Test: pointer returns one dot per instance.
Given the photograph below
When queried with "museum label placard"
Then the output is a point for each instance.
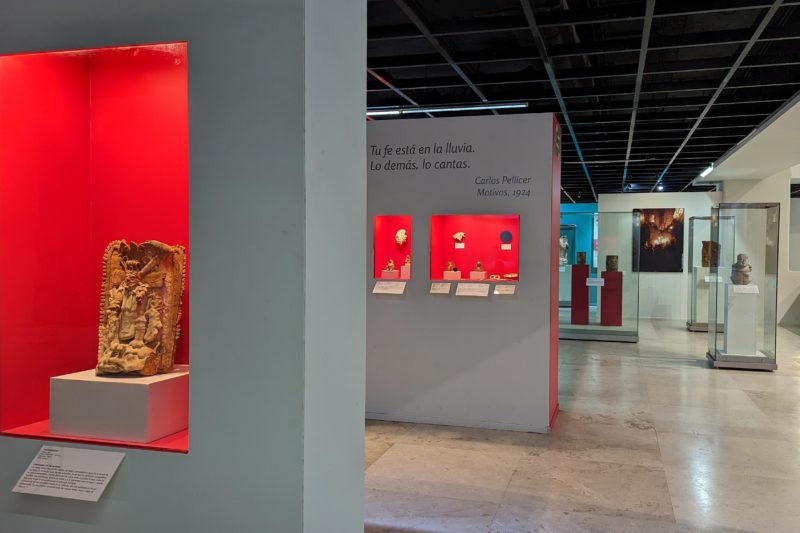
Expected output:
(389, 287)
(71, 473)
(473, 289)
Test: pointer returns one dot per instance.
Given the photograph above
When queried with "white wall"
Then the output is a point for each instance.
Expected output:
(479, 362)
(775, 189)
(794, 234)
(663, 294)
(276, 95)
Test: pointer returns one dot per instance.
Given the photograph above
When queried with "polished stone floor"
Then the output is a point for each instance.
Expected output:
(649, 439)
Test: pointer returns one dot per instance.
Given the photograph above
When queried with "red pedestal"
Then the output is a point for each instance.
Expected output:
(580, 294)
(611, 299)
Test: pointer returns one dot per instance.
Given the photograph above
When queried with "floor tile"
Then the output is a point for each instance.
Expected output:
(444, 472)
(394, 512)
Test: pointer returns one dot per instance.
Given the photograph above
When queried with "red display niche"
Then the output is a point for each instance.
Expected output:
(93, 147)
(384, 242)
(484, 241)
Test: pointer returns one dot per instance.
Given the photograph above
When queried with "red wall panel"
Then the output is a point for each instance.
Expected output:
(482, 243)
(93, 147)
(384, 246)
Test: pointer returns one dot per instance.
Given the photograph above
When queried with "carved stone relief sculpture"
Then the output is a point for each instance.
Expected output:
(563, 250)
(710, 254)
(612, 263)
(140, 307)
(401, 237)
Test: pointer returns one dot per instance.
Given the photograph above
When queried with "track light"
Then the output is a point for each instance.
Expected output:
(451, 109)
(660, 187)
(707, 171)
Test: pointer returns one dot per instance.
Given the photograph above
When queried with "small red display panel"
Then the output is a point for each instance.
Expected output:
(93, 148)
(391, 241)
(478, 247)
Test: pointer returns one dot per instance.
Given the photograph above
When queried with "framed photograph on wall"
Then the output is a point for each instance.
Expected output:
(660, 243)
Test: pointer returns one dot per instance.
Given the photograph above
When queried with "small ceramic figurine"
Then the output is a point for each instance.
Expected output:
(478, 266)
(459, 236)
(563, 250)
(740, 271)
(581, 258)
(408, 260)
(710, 254)
(389, 266)
(401, 237)
(612, 263)
(451, 267)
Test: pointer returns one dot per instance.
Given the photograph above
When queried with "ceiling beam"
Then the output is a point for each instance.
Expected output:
(548, 66)
(762, 25)
(648, 23)
(397, 91)
(415, 18)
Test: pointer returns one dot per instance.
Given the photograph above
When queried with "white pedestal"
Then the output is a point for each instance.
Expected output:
(133, 409)
(475, 275)
(702, 283)
(390, 274)
(405, 272)
(449, 274)
(565, 285)
(740, 323)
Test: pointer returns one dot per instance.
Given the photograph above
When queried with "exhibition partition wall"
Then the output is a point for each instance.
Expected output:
(472, 338)
(226, 152)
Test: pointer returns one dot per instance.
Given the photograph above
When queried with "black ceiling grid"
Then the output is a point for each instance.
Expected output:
(451, 52)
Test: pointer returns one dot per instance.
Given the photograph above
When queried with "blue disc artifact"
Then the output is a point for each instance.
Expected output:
(506, 237)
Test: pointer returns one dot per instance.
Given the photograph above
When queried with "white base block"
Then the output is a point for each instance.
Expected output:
(565, 285)
(449, 274)
(133, 409)
(405, 272)
(475, 275)
(390, 274)
(740, 322)
(701, 292)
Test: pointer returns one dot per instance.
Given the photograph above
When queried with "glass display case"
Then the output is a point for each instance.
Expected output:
(703, 254)
(474, 247)
(603, 281)
(391, 247)
(742, 315)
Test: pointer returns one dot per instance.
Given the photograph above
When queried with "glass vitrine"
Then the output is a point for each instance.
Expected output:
(599, 291)
(703, 253)
(742, 315)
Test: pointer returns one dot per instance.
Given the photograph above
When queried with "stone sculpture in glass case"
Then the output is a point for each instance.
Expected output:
(740, 270)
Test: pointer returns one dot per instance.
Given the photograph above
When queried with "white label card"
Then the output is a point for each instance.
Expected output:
(473, 289)
(505, 246)
(713, 279)
(595, 282)
(71, 473)
(460, 245)
(440, 288)
(562, 269)
(389, 287)
(505, 289)
(745, 289)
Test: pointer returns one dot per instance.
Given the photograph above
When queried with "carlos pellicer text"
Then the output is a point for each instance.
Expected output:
(505, 180)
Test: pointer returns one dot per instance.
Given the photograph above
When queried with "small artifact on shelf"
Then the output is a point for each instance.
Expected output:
(451, 267)
(401, 237)
(389, 266)
(459, 236)
(512, 275)
(581, 258)
(710, 254)
(612, 263)
(495, 276)
(408, 260)
(478, 266)
(740, 271)
(563, 250)
(140, 307)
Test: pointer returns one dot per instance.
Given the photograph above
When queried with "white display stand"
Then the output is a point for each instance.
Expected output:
(390, 274)
(449, 274)
(740, 323)
(565, 285)
(702, 280)
(405, 272)
(124, 408)
(475, 275)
